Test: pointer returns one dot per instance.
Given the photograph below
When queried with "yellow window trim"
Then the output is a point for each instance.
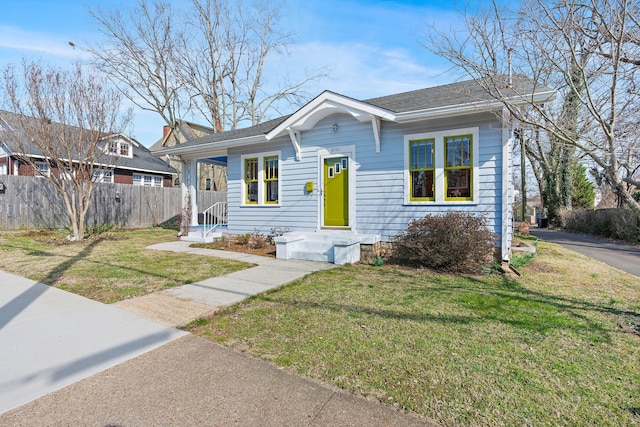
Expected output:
(268, 178)
(433, 169)
(451, 168)
(248, 181)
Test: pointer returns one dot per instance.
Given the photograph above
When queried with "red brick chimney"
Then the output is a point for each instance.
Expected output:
(165, 131)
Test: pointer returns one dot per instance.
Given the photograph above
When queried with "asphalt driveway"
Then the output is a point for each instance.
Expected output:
(620, 256)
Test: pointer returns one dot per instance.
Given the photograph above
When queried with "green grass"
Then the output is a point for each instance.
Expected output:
(546, 348)
(107, 267)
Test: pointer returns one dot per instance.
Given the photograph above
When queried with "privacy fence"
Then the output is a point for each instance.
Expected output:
(28, 203)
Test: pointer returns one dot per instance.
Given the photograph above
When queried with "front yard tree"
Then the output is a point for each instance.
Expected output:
(207, 60)
(590, 52)
(64, 116)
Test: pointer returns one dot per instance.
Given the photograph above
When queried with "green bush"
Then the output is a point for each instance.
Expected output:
(455, 242)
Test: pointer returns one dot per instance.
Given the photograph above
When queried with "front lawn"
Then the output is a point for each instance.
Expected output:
(553, 347)
(107, 267)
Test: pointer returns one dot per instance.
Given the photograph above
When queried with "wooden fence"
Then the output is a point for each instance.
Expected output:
(29, 202)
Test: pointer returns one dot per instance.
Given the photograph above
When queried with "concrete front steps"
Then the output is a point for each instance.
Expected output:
(198, 235)
(333, 246)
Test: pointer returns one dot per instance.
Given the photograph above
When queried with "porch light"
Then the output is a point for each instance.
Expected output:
(335, 127)
(2, 187)
(117, 196)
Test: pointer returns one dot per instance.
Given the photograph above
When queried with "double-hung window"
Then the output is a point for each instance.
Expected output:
(251, 181)
(147, 180)
(442, 167)
(103, 175)
(271, 179)
(261, 179)
(422, 169)
(458, 168)
(42, 170)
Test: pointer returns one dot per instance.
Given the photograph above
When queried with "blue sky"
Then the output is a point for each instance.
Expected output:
(370, 48)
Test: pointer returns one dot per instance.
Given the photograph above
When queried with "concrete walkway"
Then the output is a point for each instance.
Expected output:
(179, 306)
(66, 360)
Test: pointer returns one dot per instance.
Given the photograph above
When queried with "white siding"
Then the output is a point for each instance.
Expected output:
(379, 183)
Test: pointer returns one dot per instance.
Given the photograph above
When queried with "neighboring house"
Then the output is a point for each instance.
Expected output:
(341, 172)
(212, 173)
(125, 160)
(530, 213)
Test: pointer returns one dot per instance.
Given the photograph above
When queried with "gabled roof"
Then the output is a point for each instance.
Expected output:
(434, 102)
(187, 129)
(142, 160)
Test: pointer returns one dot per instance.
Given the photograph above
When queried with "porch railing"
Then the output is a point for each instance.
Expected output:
(214, 217)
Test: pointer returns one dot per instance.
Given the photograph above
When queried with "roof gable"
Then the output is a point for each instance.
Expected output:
(141, 158)
(434, 102)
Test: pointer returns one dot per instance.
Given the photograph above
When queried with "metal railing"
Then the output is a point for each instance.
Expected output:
(213, 217)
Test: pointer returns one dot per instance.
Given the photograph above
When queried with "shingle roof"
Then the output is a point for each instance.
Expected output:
(452, 94)
(449, 95)
(142, 158)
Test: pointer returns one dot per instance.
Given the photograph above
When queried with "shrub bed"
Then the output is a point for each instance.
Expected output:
(454, 242)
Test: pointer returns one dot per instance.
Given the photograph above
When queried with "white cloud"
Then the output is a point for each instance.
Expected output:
(360, 70)
(16, 43)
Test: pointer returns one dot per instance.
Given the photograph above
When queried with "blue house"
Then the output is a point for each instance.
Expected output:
(340, 172)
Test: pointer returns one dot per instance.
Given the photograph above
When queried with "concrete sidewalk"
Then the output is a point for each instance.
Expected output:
(80, 362)
(50, 338)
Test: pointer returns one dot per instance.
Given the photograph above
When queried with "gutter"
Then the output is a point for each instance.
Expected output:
(448, 111)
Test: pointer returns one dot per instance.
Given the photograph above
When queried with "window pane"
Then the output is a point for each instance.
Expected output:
(459, 183)
(251, 170)
(422, 184)
(252, 192)
(157, 181)
(422, 169)
(147, 180)
(137, 179)
(271, 179)
(458, 151)
(271, 168)
(272, 191)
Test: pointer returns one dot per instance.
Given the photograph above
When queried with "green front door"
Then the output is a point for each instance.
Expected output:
(336, 192)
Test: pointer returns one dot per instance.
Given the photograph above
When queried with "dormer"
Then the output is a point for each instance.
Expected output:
(116, 145)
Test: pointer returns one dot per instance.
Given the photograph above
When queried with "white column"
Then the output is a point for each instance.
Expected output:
(190, 186)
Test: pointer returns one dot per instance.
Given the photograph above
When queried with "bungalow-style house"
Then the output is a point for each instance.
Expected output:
(341, 172)
(124, 160)
(211, 173)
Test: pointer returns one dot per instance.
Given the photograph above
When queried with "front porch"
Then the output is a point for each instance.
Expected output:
(332, 246)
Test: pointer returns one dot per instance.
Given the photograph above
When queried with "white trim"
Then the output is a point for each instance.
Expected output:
(471, 107)
(42, 167)
(295, 140)
(439, 137)
(143, 181)
(348, 151)
(99, 175)
(375, 122)
(507, 191)
(261, 201)
(325, 104)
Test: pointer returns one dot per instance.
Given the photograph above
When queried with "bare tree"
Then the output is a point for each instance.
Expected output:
(589, 51)
(206, 60)
(62, 118)
(138, 55)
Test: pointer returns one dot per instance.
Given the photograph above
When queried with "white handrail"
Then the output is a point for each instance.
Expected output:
(214, 216)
